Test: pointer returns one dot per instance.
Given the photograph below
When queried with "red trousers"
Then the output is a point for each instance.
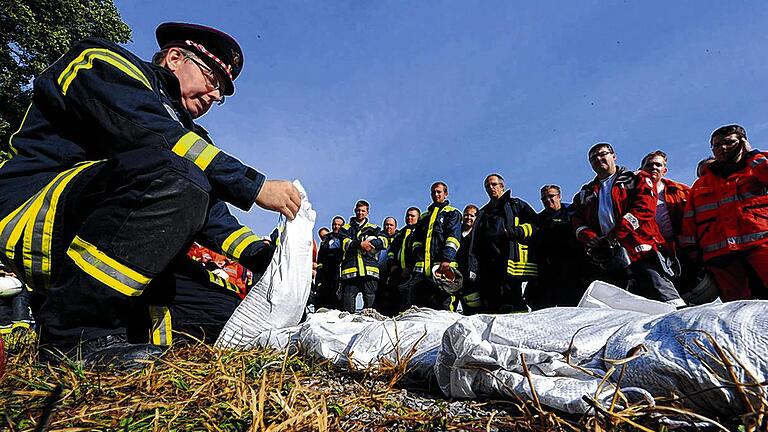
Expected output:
(742, 275)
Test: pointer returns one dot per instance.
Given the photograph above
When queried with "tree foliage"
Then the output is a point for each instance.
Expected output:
(34, 33)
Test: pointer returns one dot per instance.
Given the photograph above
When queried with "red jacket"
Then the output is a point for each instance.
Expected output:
(728, 212)
(634, 206)
(676, 196)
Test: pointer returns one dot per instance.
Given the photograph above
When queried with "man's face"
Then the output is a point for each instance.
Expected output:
(494, 186)
(603, 161)
(390, 226)
(727, 148)
(197, 81)
(322, 233)
(470, 214)
(551, 199)
(411, 217)
(439, 194)
(656, 167)
(361, 213)
(336, 224)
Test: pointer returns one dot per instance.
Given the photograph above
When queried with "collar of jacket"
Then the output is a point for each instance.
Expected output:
(438, 205)
(725, 169)
(505, 197)
(172, 87)
(359, 224)
(671, 184)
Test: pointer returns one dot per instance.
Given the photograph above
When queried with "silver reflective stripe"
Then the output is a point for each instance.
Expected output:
(689, 213)
(236, 242)
(747, 238)
(758, 161)
(106, 269)
(197, 148)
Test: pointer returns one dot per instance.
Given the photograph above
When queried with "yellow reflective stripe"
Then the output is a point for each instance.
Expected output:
(360, 264)
(227, 244)
(105, 269)
(345, 244)
(85, 61)
(428, 242)
(47, 235)
(244, 244)
(17, 220)
(13, 150)
(349, 270)
(454, 241)
(402, 247)
(193, 148)
(385, 241)
(162, 328)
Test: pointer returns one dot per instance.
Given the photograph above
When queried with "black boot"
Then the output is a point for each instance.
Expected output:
(21, 313)
(111, 351)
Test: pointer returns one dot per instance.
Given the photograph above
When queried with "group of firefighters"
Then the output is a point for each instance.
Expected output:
(110, 182)
(639, 230)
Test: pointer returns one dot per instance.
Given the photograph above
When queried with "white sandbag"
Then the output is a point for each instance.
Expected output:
(480, 355)
(278, 298)
(354, 341)
(603, 295)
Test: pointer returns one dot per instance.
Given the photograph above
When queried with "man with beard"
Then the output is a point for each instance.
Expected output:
(726, 218)
(499, 253)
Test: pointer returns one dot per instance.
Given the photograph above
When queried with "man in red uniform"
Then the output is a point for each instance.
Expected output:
(616, 212)
(726, 218)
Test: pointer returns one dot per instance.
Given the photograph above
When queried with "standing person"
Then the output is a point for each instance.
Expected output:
(386, 298)
(435, 243)
(470, 297)
(559, 256)
(111, 179)
(726, 218)
(361, 244)
(329, 256)
(615, 218)
(499, 254)
(671, 198)
(400, 260)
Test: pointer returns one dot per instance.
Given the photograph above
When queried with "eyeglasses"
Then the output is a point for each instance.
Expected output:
(725, 143)
(594, 156)
(211, 82)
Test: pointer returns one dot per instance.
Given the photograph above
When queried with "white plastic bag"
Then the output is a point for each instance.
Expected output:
(278, 298)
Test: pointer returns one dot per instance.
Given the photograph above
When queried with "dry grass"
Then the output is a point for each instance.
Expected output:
(200, 388)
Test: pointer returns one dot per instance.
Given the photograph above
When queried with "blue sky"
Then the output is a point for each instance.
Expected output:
(377, 100)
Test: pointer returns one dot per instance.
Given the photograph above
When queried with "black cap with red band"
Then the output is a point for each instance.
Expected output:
(217, 49)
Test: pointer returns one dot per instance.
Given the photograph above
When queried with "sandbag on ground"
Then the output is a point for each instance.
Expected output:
(277, 300)
(480, 355)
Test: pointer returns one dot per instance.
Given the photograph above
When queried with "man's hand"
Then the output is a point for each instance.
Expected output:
(280, 196)
(366, 246)
(593, 242)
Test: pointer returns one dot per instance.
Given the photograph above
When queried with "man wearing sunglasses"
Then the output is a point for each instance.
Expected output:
(615, 218)
(725, 224)
(111, 180)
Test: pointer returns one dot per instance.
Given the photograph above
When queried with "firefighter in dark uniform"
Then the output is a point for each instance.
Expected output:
(499, 254)
(361, 244)
(329, 257)
(400, 260)
(435, 244)
(470, 296)
(111, 179)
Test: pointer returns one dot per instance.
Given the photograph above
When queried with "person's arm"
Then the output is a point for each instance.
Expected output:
(224, 233)
(525, 228)
(579, 219)
(452, 232)
(641, 209)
